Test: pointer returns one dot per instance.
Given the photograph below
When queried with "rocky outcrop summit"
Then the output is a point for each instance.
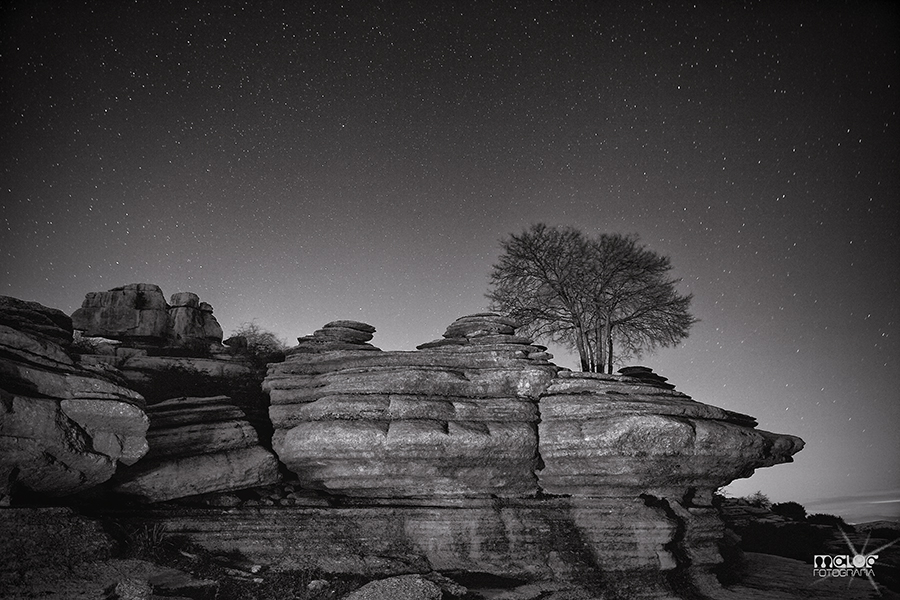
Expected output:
(63, 428)
(456, 418)
(139, 315)
(197, 445)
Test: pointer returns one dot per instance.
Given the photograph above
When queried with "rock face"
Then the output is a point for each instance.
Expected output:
(456, 418)
(63, 428)
(603, 435)
(36, 320)
(139, 315)
(190, 319)
(197, 445)
(474, 453)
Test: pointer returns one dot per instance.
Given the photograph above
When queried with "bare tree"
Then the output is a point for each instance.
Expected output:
(605, 298)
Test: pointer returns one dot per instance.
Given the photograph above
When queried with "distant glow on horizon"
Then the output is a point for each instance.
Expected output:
(300, 163)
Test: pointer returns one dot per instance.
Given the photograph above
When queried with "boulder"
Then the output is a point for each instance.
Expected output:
(63, 429)
(135, 313)
(474, 453)
(192, 321)
(138, 315)
(337, 335)
(197, 446)
(404, 587)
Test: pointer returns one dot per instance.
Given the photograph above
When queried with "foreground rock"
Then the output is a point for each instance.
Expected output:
(197, 446)
(63, 428)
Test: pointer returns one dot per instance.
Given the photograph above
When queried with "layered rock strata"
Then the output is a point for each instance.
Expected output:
(63, 428)
(139, 315)
(633, 435)
(458, 417)
(531, 539)
(603, 435)
(479, 440)
(197, 445)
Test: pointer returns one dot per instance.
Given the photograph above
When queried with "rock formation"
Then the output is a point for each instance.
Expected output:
(608, 435)
(139, 315)
(197, 445)
(63, 428)
(475, 453)
(471, 454)
(172, 354)
(456, 418)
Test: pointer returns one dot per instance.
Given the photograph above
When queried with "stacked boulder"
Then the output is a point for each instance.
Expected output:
(197, 445)
(191, 321)
(456, 418)
(63, 428)
(161, 349)
(139, 316)
(338, 335)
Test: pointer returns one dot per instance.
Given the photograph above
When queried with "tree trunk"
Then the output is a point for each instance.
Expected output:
(579, 345)
(607, 327)
(609, 344)
(600, 346)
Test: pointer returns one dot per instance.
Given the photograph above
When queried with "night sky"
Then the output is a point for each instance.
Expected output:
(299, 162)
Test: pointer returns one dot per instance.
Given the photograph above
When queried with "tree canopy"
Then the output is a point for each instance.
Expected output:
(607, 297)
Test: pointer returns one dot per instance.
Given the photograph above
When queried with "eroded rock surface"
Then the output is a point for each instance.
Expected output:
(603, 435)
(63, 428)
(138, 314)
(197, 445)
(458, 417)
(589, 474)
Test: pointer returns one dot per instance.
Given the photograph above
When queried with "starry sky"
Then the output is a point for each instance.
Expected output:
(299, 162)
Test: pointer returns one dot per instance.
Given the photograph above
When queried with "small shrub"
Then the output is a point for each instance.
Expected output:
(831, 520)
(759, 500)
(262, 346)
(145, 542)
(790, 510)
